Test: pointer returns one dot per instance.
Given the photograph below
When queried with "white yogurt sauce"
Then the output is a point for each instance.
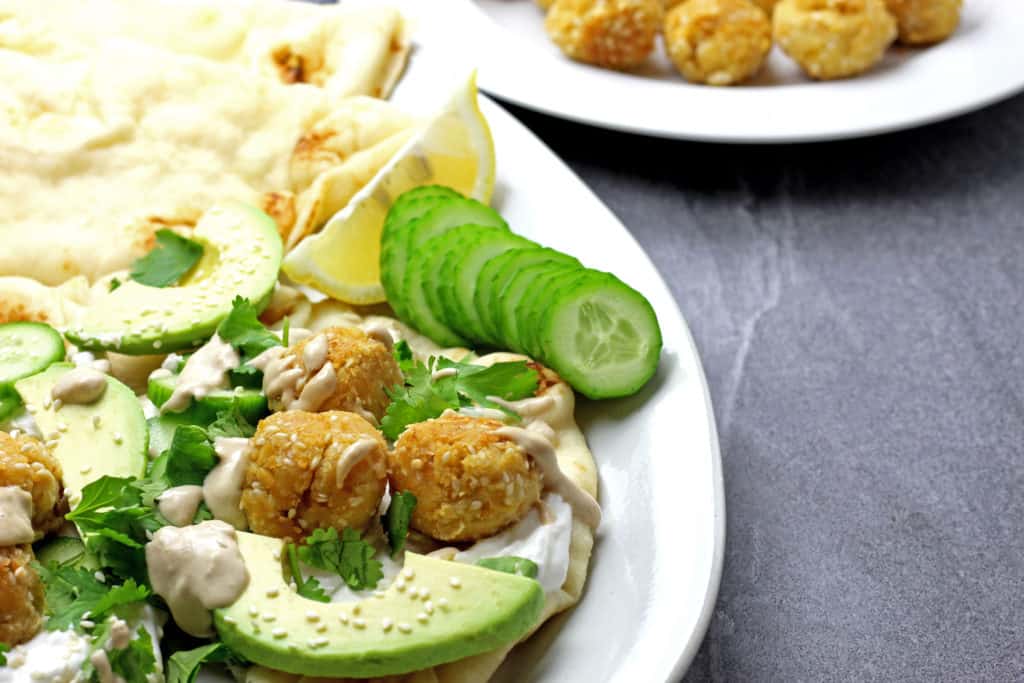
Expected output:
(15, 516)
(350, 457)
(205, 371)
(222, 487)
(179, 504)
(543, 539)
(290, 385)
(85, 359)
(196, 569)
(52, 656)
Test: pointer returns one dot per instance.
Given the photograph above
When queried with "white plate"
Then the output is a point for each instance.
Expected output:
(657, 563)
(982, 63)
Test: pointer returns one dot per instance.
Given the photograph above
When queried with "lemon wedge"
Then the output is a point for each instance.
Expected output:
(454, 148)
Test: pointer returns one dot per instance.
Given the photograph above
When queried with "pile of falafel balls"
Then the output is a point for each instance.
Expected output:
(726, 42)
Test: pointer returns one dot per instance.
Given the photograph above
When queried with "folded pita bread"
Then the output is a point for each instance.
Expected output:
(107, 138)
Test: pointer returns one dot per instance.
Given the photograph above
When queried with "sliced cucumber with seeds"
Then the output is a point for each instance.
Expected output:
(495, 276)
(601, 336)
(252, 404)
(538, 300)
(513, 296)
(26, 349)
(393, 244)
(464, 276)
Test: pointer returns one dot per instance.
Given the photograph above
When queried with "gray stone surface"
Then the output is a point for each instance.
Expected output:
(858, 306)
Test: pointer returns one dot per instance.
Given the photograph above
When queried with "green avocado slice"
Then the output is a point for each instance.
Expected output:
(105, 438)
(466, 610)
(241, 257)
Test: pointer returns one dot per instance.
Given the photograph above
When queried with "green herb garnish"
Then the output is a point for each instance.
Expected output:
(71, 592)
(230, 424)
(4, 647)
(114, 284)
(510, 564)
(308, 588)
(396, 520)
(349, 557)
(243, 330)
(422, 398)
(183, 666)
(168, 262)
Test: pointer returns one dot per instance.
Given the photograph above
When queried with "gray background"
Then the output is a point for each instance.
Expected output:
(858, 310)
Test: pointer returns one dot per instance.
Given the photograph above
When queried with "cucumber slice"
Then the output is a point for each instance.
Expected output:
(512, 297)
(66, 550)
(601, 336)
(393, 253)
(462, 280)
(26, 349)
(251, 402)
(496, 275)
(423, 284)
(537, 301)
(449, 214)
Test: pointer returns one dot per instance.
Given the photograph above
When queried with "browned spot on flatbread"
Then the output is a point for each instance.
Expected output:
(291, 67)
(11, 312)
(281, 207)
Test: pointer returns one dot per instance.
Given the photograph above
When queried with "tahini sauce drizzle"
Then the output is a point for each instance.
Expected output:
(206, 371)
(179, 504)
(81, 386)
(222, 487)
(15, 516)
(350, 457)
(196, 569)
(288, 385)
(543, 454)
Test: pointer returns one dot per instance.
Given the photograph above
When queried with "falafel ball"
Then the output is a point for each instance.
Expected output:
(25, 462)
(364, 366)
(469, 482)
(293, 484)
(834, 38)
(22, 597)
(922, 22)
(767, 5)
(618, 34)
(718, 42)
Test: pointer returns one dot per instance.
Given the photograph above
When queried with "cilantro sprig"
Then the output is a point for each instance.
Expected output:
(183, 666)
(244, 331)
(308, 588)
(422, 397)
(72, 592)
(168, 262)
(396, 520)
(349, 557)
(4, 648)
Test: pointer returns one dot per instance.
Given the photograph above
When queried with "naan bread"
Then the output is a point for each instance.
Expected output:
(106, 139)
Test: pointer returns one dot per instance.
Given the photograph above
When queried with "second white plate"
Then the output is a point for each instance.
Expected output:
(980, 64)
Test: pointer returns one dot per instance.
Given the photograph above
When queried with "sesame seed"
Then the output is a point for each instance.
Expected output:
(405, 628)
(454, 582)
(318, 642)
(443, 603)
(312, 617)
(272, 593)
(253, 612)
(57, 404)
(359, 623)
(96, 421)
(157, 344)
(30, 409)
(118, 439)
(356, 609)
(279, 633)
(386, 624)
(409, 573)
(321, 628)
(379, 594)
(400, 586)
(230, 621)
(47, 403)
(99, 577)
(277, 555)
(422, 617)
(85, 469)
(87, 623)
(343, 618)
(429, 607)
(424, 592)
(268, 617)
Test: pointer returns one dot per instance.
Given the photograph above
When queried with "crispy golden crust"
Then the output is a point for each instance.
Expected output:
(767, 5)
(922, 22)
(25, 462)
(291, 484)
(834, 38)
(469, 482)
(718, 42)
(21, 595)
(365, 368)
(619, 34)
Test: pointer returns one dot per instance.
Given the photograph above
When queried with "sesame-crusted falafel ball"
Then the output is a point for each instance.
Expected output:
(294, 485)
(21, 595)
(469, 482)
(834, 38)
(26, 463)
(718, 42)
(922, 22)
(364, 366)
(618, 34)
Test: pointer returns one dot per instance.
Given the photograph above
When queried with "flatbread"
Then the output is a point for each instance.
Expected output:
(107, 139)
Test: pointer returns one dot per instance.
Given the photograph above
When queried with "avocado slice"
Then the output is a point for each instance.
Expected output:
(471, 610)
(105, 438)
(241, 257)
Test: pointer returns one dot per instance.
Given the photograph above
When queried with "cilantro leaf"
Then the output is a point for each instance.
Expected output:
(190, 457)
(114, 284)
(243, 330)
(422, 397)
(172, 257)
(73, 591)
(134, 662)
(396, 519)
(510, 564)
(230, 423)
(4, 647)
(308, 588)
(349, 557)
(183, 666)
